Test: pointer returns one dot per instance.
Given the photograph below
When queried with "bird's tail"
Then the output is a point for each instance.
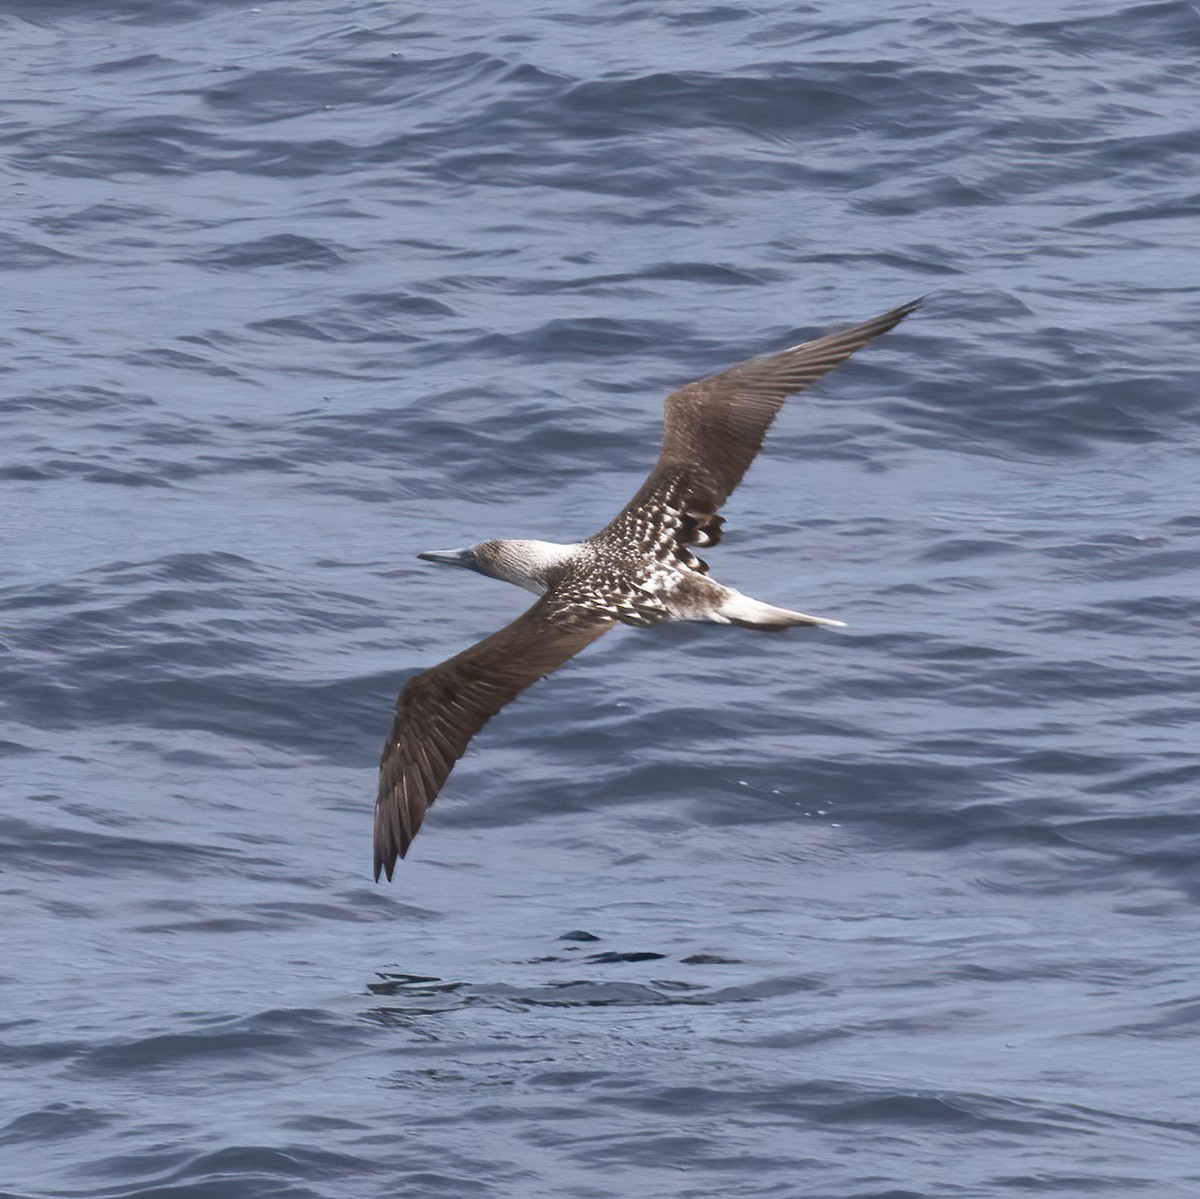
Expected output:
(740, 609)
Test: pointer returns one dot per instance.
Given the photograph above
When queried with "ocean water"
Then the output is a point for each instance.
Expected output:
(294, 291)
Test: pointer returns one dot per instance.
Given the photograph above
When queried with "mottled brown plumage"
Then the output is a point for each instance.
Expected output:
(638, 570)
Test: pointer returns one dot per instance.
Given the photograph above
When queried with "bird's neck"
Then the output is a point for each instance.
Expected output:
(534, 565)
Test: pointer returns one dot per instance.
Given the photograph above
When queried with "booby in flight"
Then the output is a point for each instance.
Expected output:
(639, 569)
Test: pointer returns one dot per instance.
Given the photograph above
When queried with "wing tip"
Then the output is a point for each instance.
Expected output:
(385, 862)
(389, 851)
(891, 318)
(847, 339)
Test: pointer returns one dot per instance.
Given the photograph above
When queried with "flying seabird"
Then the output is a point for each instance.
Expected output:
(638, 570)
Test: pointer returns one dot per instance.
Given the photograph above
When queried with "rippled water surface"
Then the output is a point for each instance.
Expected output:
(295, 291)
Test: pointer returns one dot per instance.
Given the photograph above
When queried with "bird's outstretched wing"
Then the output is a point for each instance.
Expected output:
(714, 428)
(439, 711)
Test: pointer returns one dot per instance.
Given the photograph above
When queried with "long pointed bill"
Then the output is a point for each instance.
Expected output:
(449, 557)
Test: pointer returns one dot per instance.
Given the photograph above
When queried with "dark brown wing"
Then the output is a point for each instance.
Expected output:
(714, 428)
(439, 711)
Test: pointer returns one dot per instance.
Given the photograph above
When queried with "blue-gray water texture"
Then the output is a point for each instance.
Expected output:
(295, 290)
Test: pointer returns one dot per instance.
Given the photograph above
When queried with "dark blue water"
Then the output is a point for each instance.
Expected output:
(297, 290)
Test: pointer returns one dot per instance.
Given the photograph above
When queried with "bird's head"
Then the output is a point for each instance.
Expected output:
(528, 564)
